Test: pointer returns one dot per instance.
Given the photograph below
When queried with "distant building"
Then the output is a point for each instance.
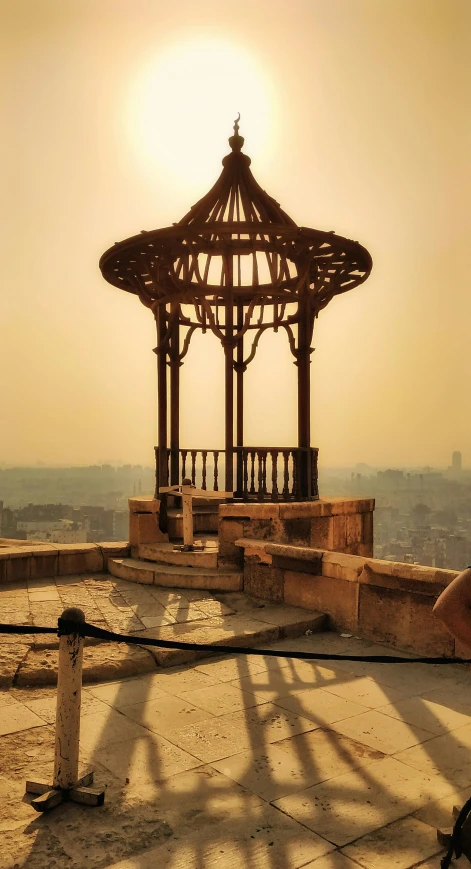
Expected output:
(456, 462)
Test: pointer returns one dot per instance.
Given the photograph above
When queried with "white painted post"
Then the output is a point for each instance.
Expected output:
(187, 505)
(69, 689)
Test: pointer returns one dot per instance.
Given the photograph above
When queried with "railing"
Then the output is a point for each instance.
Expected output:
(261, 473)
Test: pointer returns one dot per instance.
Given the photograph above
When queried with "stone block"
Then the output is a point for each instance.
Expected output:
(297, 531)
(144, 504)
(44, 563)
(301, 510)
(353, 528)
(403, 620)
(339, 532)
(367, 533)
(144, 528)
(229, 530)
(114, 550)
(366, 550)
(341, 565)
(321, 532)
(263, 580)
(462, 651)
(16, 564)
(79, 558)
(251, 511)
(255, 548)
(335, 597)
(368, 576)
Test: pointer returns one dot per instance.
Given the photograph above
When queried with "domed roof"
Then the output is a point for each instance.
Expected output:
(236, 242)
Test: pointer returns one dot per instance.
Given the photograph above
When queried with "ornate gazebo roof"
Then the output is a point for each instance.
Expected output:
(237, 240)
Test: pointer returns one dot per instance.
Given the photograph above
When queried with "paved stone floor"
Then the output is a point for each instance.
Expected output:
(110, 603)
(254, 762)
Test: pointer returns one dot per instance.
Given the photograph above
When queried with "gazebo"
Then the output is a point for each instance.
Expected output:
(236, 265)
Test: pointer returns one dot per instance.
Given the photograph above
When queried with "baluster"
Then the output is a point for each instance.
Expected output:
(264, 466)
(252, 473)
(260, 475)
(216, 459)
(168, 465)
(157, 484)
(193, 466)
(295, 474)
(314, 482)
(183, 454)
(204, 453)
(274, 475)
(245, 484)
(286, 475)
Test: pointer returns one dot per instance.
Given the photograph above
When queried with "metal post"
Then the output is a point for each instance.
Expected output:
(304, 396)
(66, 784)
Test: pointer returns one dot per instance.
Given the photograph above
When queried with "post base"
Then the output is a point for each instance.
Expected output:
(444, 836)
(50, 796)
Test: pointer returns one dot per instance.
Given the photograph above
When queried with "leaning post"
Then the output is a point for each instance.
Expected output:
(66, 783)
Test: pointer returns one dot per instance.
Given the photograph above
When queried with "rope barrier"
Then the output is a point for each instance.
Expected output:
(84, 629)
(69, 703)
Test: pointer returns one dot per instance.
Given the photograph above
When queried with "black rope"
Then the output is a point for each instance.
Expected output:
(84, 629)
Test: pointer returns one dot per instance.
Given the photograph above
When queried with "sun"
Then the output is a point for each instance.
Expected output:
(183, 102)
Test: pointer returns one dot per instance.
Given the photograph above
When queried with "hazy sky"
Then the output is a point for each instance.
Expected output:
(116, 115)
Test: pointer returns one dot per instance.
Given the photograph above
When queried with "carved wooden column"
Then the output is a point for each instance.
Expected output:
(240, 401)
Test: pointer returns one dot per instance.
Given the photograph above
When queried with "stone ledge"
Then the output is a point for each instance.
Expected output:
(144, 504)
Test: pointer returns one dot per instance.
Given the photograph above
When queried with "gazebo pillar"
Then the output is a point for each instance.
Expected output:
(240, 401)
(229, 367)
(162, 396)
(175, 396)
(304, 395)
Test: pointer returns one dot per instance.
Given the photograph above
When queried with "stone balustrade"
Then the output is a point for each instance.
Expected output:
(21, 560)
(389, 602)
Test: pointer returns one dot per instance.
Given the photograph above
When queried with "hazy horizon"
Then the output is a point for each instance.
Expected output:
(354, 115)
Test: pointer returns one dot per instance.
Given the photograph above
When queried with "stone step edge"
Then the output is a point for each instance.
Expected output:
(157, 659)
(176, 576)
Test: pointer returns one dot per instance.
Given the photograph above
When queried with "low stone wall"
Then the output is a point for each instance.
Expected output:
(21, 560)
(386, 601)
(337, 524)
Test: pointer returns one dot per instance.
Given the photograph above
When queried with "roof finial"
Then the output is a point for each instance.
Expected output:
(236, 141)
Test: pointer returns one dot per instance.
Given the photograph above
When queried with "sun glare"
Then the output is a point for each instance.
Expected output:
(183, 104)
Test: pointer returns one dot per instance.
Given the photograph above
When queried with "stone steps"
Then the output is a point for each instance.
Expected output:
(258, 626)
(175, 575)
(164, 553)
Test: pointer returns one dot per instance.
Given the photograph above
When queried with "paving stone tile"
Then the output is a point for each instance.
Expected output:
(282, 768)
(174, 680)
(320, 706)
(217, 738)
(270, 685)
(147, 759)
(439, 814)
(164, 714)
(157, 621)
(334, 860)
(397, 846)
(125, 693)
(382, 732)
(455, 698)
(99, 730)
(367, 692)
(51, 594)
(45, 707)
(16, 717)
(430, 716)
(349, 806)
(221, 698)
(226, 827)
(447, 756)
(227, 669)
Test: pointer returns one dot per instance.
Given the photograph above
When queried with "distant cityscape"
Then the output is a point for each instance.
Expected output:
(422, 515)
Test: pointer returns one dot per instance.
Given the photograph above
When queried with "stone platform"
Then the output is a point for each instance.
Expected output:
(244, 761)
(141, 610)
